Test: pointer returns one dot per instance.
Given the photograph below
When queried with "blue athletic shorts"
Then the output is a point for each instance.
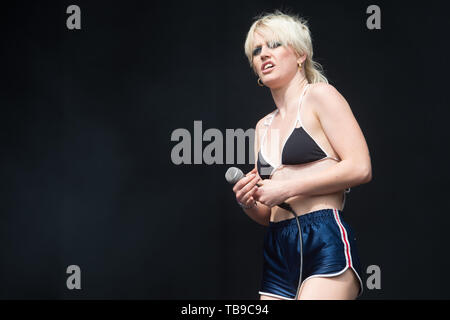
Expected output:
(329, 249)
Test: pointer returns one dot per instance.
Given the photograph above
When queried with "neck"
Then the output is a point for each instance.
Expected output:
(286, 97)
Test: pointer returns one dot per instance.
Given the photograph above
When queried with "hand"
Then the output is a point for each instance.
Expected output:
(271, 192)
(246, 187)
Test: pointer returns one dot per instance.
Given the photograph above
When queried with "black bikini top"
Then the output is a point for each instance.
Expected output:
(299, 147)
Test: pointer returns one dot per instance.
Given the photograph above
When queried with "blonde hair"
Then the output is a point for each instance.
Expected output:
(288, 29)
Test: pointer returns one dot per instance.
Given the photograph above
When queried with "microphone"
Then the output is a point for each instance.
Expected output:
(233, 175)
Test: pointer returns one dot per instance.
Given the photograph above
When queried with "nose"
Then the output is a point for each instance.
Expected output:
(264, 53)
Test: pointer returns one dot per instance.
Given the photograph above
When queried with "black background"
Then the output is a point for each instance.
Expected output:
(86, 120)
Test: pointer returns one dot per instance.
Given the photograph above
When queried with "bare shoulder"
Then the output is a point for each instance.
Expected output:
(260, 123)
(322, 92)
(325, 98)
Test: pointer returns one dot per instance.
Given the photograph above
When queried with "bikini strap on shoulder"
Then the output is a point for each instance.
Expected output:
(269, 118)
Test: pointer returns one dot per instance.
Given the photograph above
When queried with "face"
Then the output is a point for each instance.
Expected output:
(284, 61)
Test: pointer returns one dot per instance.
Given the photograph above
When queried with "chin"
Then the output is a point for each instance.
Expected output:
(272, 83)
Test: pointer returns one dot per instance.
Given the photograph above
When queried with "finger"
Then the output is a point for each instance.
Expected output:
(241, 183)
(251, 200)
(250, 185)
(256, 180)
(245, 184)
(248, 198)
(250, 172)
(256, 193)
(260, 182)
(253, 191)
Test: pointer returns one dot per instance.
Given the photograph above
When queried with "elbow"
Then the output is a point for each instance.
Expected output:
(365, 175)
(265, 224)
(361, 172)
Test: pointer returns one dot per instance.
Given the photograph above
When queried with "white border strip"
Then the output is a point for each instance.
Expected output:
(329, 275)
(274, 295)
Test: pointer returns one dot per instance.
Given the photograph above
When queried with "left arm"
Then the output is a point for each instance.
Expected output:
(347, 139)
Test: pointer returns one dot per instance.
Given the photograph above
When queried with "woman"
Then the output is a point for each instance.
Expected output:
(309, 152)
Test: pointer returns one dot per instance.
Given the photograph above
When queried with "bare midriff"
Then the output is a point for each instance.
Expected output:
(303, 204)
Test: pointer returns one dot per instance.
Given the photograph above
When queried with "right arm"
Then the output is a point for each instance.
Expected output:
(245, 188)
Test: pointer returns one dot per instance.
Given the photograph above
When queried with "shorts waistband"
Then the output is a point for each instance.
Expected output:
(307, 218)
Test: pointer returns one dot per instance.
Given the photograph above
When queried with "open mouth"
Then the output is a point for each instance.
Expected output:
(267, 68)
(267, 65)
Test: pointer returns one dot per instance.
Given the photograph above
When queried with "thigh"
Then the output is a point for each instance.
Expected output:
(341, 287)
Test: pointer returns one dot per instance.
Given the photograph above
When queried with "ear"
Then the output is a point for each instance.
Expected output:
(301, 58)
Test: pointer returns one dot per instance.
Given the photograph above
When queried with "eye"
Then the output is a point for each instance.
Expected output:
(274, 44)
(256, 51)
